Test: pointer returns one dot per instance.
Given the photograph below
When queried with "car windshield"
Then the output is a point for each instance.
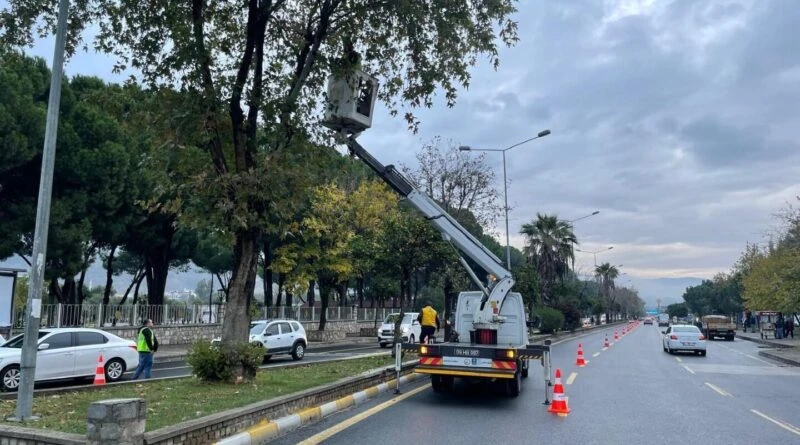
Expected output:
(257, 328)
(16, 342)
(392, 318)
(685, 329)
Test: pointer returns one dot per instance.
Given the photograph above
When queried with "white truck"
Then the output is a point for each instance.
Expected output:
(663, 319)
(491, 335)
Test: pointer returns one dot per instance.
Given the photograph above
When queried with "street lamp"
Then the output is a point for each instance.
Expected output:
(595, 252)
(570, 221)
(541, 134)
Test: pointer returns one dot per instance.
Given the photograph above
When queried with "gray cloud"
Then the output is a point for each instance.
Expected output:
(677, 121)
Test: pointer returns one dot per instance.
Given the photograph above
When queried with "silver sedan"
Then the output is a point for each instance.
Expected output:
(684, 338)
(69, 353)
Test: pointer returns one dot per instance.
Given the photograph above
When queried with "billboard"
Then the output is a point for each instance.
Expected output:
(6, 298)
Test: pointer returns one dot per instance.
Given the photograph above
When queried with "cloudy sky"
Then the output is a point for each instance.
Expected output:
(673, 118)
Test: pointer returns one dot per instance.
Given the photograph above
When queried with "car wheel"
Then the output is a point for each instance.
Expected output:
(525, 367)
(702, 353)
(441, 383)
(411, 339)
(267, 357)
(514, 386)
(298, 351)
(10, 376)
(114, 369)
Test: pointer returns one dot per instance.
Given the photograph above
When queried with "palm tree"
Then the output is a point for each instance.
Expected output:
(606, 274)
(549, 247)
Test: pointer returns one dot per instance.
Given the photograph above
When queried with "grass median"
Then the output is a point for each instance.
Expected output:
(173, 401)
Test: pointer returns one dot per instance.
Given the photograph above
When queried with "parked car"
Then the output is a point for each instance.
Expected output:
(69, 353)
(410, 328)
(279, 336)
(684, 338)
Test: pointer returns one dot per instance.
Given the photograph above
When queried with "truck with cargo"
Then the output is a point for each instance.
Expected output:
(491, 340)
(718, 326)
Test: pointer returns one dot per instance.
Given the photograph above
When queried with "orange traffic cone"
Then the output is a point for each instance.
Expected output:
(616, 335)
(605, 344)
(623, 331)
(100, 372)
(580, 362)
(559, 405)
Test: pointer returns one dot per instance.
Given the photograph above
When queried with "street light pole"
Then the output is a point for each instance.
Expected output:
(33, 308)
(541, 134)
(595, 253)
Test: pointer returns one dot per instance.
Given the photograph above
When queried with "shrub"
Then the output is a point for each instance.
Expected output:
(551, 320)
(219, 362)
(572, 317)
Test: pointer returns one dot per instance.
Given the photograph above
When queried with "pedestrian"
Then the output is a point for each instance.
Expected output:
(147, 345)
(779, 327)
(429, 320)
(789, 328)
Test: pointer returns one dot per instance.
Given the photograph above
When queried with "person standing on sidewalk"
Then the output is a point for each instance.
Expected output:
(147, 345)
(789, 328)
(429, 320)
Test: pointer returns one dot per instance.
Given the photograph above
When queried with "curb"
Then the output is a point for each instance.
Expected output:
(267, 429)
(765, 342)
(778, 358)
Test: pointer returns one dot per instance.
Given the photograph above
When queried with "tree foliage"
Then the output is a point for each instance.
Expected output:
(549, 246)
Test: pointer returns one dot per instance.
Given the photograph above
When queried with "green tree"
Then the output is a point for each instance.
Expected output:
(251, 73)
(679, 310)
(606, 274)
(773, 283)
(549, 246)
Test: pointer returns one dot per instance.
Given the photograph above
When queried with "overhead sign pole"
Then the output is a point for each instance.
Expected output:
(33, 309)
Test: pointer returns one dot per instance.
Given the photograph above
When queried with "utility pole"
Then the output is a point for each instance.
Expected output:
(33, 308)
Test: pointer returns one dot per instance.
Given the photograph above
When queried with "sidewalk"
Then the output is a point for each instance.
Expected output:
(785, 350)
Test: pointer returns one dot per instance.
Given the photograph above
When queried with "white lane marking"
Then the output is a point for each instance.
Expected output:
(719, 390)
(595, 354)
(787, 426)
(571, 378)
(747, 355)
(678, 359)
(687, 368)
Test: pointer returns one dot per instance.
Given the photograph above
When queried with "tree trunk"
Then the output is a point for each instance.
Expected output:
(281, 280)
(360, 291)
(136, 289)
(288, 299)
(343, 294)
(80, 284)
(236, 323)
(156, 271)
(109, 282)
(310, 294)
(267, 272)
(325, 288)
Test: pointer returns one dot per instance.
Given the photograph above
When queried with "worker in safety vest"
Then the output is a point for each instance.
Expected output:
(429, 320)
(147, 345)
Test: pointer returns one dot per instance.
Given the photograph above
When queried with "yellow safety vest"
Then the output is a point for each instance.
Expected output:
(428, 316)
(141, 344)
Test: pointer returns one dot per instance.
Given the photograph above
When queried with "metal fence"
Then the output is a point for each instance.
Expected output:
(97, 315)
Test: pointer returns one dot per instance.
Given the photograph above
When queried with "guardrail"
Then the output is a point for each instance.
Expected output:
(120, 315)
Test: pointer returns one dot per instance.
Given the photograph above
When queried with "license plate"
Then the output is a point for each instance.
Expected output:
(469, 362)
(687, 343)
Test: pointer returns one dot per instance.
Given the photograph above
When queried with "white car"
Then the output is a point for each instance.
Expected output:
(279, 337)
(69, 353)
(410, 329)
(684, 338)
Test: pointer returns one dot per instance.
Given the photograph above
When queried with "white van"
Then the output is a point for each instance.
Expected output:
(409, 329)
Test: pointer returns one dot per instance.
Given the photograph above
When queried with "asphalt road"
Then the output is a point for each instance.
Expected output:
(633, 392)
(180, 368)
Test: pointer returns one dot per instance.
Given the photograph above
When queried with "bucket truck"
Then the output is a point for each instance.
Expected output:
(490, 340)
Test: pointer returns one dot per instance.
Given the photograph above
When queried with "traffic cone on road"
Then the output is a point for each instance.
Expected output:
(623, 331)
(100, 372)
(605, 344)
(559, 405)
(616, 335)
(580, 362)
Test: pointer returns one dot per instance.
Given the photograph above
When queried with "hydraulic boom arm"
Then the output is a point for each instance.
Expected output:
(487, 314)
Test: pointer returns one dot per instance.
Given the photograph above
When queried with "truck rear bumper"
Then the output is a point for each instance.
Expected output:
(466, 372)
